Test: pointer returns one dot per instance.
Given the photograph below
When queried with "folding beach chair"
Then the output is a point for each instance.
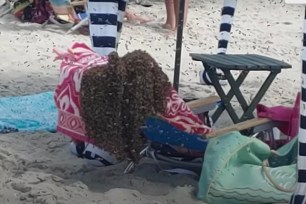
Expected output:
(165, 139)
(64, 11)
(181, 143)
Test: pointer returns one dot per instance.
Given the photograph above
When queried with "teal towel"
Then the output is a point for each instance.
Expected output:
(28, 113)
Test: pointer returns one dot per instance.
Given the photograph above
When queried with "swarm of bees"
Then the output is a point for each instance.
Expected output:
(116, 98)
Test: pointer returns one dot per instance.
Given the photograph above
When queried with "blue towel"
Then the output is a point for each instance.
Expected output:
(28, 113)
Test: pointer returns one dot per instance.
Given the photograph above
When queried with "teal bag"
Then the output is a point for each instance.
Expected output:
(239, 169)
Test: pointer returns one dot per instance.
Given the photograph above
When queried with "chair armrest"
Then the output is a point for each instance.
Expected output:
(203, 104)
(239, 126)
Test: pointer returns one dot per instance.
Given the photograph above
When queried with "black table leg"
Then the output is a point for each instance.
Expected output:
(228, 97)
(246, 115)
(226, 101)
(235, 87)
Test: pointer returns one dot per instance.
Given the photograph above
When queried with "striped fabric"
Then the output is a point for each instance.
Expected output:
(227, 14)
(105, 24)
(299, 195)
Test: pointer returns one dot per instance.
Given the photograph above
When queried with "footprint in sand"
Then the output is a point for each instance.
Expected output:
(40, 197)
(2, 156)
(21, 187)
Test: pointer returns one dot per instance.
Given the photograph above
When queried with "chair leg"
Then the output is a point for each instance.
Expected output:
(45, 23)
(77, 26)
(4, 4)
(6, 12)
(7, 3)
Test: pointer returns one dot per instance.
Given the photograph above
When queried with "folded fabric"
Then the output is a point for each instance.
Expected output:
(288, 116)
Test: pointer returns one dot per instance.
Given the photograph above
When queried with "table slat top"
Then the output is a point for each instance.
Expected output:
(241, 61)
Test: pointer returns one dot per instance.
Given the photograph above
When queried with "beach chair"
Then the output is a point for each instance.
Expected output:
(165, 139)
(64, 12)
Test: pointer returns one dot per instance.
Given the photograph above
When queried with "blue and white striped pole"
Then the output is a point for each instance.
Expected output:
(227, 15)
(105, 24)
(298, 196)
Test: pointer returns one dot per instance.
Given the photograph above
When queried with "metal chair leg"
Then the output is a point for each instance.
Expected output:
(77, 26)
(5, 12)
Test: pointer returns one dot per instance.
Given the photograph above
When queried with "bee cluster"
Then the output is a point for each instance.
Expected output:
(116, 98)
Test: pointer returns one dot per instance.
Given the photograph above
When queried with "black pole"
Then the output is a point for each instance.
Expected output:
(179, 39)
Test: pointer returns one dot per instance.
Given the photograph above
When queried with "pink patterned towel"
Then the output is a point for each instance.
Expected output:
(75, 61)
(180, 115)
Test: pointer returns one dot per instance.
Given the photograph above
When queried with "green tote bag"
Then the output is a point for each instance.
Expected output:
(239, 169)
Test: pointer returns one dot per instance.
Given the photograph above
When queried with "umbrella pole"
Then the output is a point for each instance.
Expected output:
(227, 15)
(178, 50)
(104, 39)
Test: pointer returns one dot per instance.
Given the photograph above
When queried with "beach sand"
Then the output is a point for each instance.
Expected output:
(38, 167)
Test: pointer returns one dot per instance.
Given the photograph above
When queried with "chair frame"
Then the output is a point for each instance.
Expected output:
(71, 13)
(7, 11)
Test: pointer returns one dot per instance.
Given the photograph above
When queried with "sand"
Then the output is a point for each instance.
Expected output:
(38, 168)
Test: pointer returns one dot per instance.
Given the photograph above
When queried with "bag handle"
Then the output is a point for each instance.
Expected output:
(265, 164)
